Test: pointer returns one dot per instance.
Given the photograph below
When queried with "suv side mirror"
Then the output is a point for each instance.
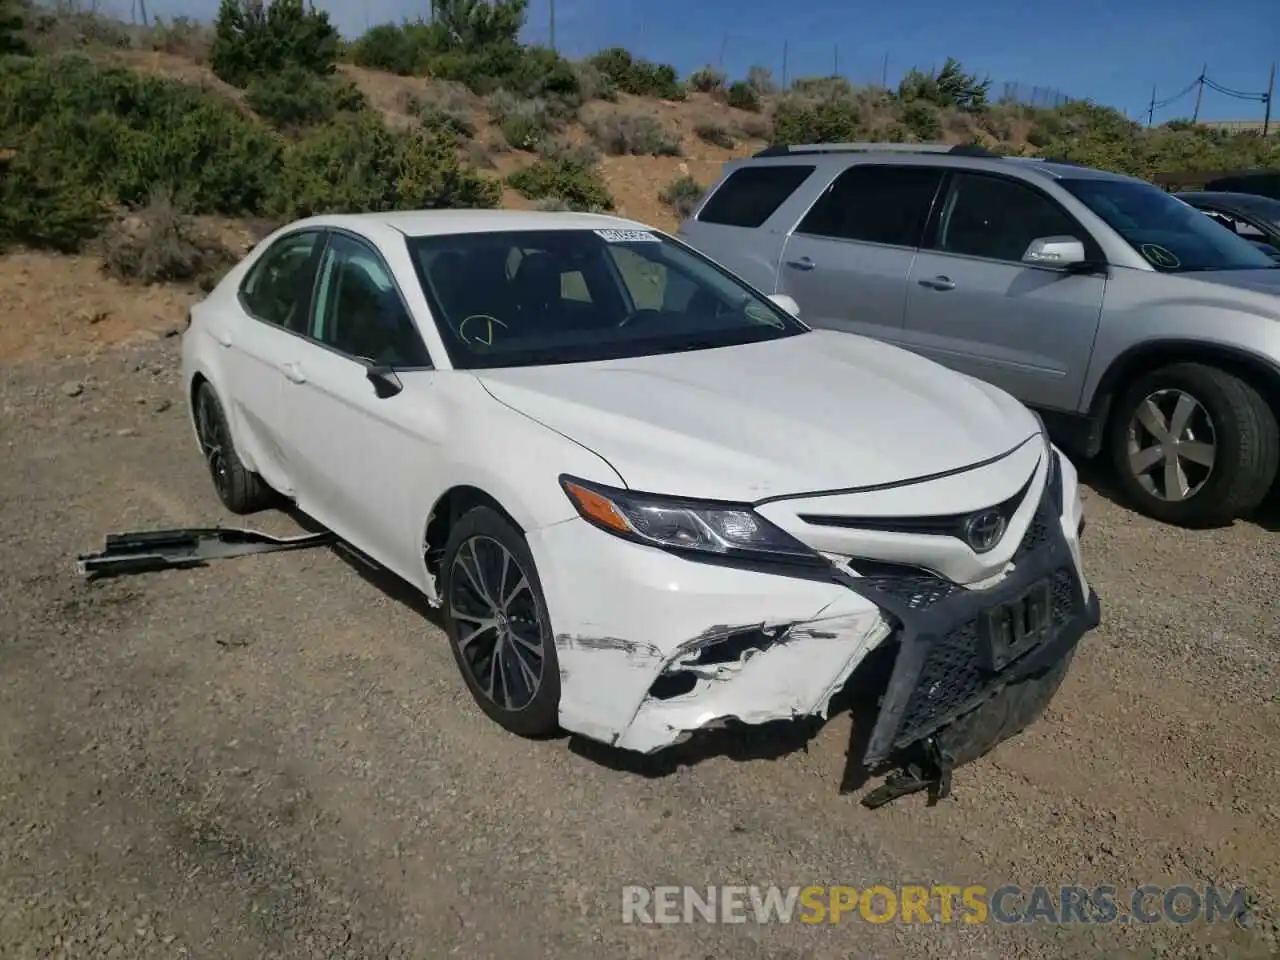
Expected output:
(1055, 252)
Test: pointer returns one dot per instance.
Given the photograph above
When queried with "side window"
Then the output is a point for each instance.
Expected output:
(358, 310)
(1237, 226)
(997, 218)
(278, 287)
(750, 195)
(875, 204)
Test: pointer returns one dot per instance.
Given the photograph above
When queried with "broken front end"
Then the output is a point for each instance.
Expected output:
(984, 609)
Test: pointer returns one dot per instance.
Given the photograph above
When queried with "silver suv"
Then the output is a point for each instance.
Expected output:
(1130, 321)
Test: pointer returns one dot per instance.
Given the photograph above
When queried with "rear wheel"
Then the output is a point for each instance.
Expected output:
(1193, 445)
(497, 623)
(239, 488)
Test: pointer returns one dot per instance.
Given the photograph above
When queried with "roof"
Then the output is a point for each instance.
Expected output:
(1227, 200)
(425, 223)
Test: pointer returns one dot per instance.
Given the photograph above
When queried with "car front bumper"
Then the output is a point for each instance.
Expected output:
(654, 646)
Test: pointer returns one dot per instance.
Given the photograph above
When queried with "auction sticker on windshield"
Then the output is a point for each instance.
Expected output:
(627, 236)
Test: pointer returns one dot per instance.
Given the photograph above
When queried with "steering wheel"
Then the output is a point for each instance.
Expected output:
(482, 337)
(640, 314)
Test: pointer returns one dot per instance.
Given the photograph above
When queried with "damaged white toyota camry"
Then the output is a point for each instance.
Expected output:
(647, 497)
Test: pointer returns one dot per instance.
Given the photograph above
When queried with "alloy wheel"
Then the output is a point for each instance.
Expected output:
(1172, 445)
(214, 441)
(499, 631)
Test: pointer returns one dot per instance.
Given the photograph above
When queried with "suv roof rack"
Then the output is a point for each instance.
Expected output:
(959, 149)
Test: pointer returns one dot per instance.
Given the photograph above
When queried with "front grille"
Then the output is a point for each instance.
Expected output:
(953, 677)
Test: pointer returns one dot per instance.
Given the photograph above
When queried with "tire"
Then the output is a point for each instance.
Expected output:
(1231, 427)
(240, 489)
(485, 555)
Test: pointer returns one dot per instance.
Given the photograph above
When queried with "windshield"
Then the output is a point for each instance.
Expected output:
(1168, 233)
(524, 298)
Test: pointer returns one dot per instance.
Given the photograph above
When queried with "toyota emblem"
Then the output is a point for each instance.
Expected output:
(983, 531)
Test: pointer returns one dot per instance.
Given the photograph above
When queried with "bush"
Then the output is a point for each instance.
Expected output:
(159, 244)
(640, 78)
(761, 81)
(181, 35)
(391, 48)
(583, 155)
(51, 200)
(593, 84)
(636, 134)
(923, 119)
(297, 98)
(743, 96)
(12, 24)
(255, 37)
(579, 187)
(707, 80)
(137, 133)
(756, 128)
(714, 134)
(682, 195)
(356, 164)
(524, 123)
(949, 87)
(827, 121)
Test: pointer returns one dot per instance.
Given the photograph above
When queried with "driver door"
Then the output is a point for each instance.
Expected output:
(363, 459)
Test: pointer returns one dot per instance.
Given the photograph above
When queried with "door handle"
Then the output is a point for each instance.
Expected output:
(293, 372)
(804, 263)
(222, 337)
(938, 283)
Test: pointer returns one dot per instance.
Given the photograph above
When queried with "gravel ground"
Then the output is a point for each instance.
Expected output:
(275, 756)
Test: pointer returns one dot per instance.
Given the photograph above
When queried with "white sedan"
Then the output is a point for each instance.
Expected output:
(648, 498)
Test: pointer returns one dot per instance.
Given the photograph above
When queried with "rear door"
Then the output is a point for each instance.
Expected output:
(973, 305)
(847, 262)
(732, 224)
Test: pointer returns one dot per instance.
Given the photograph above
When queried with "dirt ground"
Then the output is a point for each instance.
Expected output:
(276, 757)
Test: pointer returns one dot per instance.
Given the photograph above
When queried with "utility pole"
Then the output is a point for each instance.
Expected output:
(784, 64)
(553, 26)
(835, 60)
(1195, 116)
(724, 42)
(1271, 89)
(142, 12)
(884, 71)
(1151, 111)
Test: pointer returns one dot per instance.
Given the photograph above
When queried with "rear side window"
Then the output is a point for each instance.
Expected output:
(875, 204)
(750, 195)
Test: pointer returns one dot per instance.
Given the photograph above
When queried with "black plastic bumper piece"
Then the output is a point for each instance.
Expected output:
(146, 551)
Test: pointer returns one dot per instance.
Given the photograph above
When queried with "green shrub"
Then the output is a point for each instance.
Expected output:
(524, 123)
(635, 134)
(707, 80)
(393, 48)
(743, 96)
(949, 87)
(298, 98)
(826, 121)
(12, 24)
(355, 164)
(579, 187)
(682, 195)
(640, 78)
(761, 81)
(583, 155)
(923, 119)
(50, 199)
(255, 37)
(593, 84)
(715, 134)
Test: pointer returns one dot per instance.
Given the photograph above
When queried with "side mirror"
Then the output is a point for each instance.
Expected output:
(385, 382)
(1054, 252)
(786, 303)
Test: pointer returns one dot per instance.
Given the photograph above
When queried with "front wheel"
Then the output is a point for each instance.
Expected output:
(497, 623)
(240, 489)
(1193, 445)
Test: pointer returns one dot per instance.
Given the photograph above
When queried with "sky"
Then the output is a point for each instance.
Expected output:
(1111, 51)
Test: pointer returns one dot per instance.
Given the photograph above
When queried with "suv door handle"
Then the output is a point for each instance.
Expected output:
(938, 283)
(804, 263)
(293, 372)
(222, 337)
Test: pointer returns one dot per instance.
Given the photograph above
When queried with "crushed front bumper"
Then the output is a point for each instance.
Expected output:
(653, 646)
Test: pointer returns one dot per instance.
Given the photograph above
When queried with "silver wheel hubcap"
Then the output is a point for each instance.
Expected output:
(1172, 445)
(499, 631)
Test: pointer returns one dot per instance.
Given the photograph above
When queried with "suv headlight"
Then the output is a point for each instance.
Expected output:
(707, 527)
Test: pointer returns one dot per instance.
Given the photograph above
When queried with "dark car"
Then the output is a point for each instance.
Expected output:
(1249, 215)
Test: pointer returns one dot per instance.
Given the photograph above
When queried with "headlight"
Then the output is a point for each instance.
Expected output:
(729, 530)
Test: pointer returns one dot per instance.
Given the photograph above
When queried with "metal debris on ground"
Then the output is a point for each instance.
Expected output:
(144, 551)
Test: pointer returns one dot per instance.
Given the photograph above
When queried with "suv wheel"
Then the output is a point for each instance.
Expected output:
(1193, 445)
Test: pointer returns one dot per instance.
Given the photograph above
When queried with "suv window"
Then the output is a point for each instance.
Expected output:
(358, 309)
(750, 195)
(997, 218)
(875, 204)
(278, 287)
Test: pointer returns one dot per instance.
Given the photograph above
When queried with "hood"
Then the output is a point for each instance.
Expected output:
(1262, 281)
(818, 411)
